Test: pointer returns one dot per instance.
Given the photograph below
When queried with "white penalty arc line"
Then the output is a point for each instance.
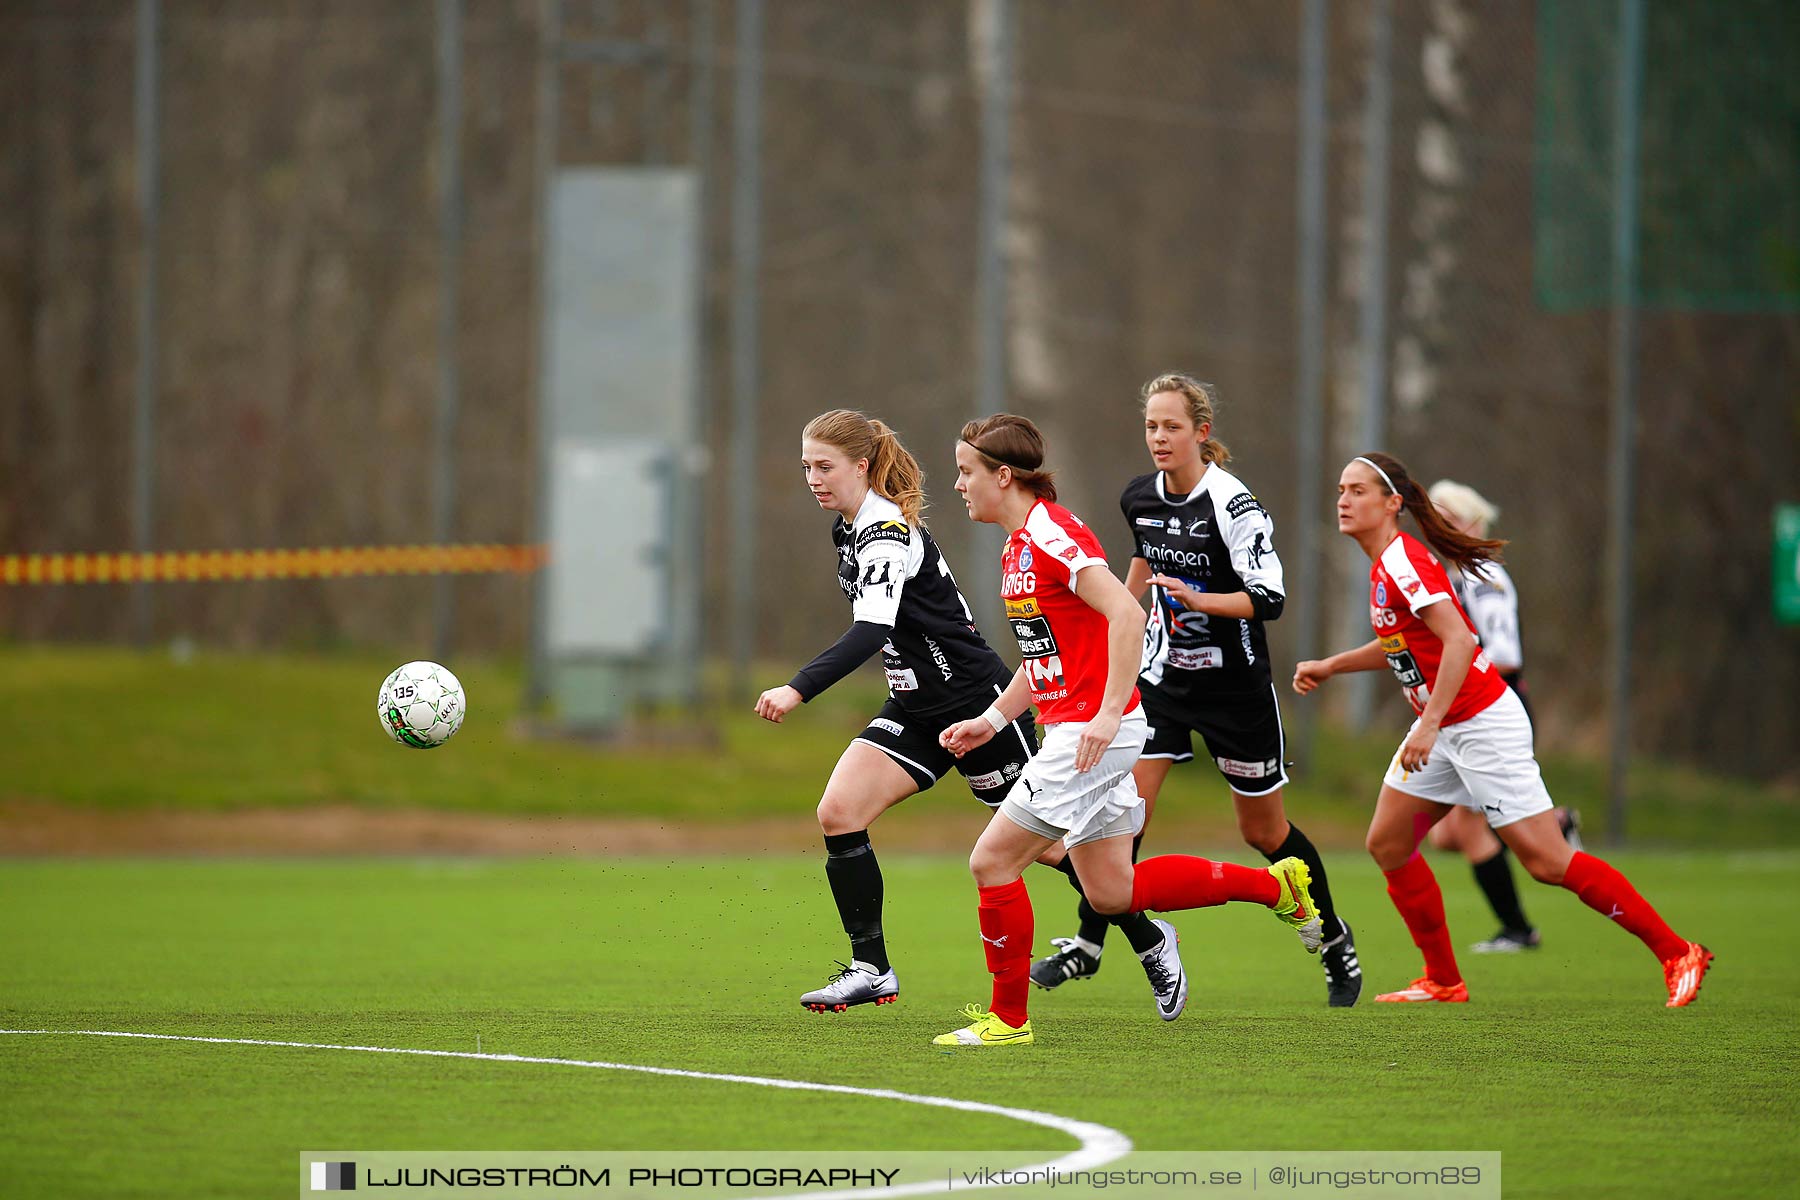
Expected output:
(1100, 1144)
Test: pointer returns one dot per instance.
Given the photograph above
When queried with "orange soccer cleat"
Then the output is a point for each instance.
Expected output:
(1684, 972)
(1423, 988)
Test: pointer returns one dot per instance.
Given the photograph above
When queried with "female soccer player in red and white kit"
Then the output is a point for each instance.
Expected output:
(1079, 632)
(1471, 742)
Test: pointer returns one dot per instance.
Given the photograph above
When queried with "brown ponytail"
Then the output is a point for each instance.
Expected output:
(1467, 552)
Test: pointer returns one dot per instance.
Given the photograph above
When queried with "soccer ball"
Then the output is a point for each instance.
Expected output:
(421, 705)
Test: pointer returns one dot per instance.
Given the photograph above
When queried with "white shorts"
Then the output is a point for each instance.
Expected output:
(1484, 763)
(1053, 800)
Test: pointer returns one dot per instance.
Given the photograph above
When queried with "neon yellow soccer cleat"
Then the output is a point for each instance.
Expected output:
(1295, 908)
(986, 1030)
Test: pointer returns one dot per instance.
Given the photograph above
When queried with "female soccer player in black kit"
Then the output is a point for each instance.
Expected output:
(904, 604)
(1205, 552)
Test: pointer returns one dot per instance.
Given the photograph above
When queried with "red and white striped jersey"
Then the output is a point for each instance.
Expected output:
(1062, 640)
(1403, 581)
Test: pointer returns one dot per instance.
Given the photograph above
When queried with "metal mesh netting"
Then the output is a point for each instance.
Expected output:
(1150, 224)
(1719, 210)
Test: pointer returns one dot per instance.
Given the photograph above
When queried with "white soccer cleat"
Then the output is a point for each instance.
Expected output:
(1167, 979)
(858, 983)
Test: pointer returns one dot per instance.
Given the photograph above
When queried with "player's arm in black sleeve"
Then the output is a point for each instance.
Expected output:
(843, 656)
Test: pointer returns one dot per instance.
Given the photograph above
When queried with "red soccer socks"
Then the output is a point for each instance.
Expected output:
(1006, 930)
(1414, 891)
(1602, 888)
(1172, 882)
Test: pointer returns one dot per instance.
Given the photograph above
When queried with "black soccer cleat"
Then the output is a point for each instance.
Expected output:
(1343, 974)
(1069, 962)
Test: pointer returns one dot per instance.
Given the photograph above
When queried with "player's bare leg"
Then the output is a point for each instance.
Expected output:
(865, 784)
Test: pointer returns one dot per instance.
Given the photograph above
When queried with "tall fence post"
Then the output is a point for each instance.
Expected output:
(549, 127)
(450, 236)
(693, 470)
(746, 270)
(1309, 353)
(983, 590)
(1622, 473)
(149, 210)
(1378, 122)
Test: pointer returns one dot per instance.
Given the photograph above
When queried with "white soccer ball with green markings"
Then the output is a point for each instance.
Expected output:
(421, 705)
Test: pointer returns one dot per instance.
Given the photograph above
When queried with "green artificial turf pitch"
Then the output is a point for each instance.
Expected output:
(1566, 1061)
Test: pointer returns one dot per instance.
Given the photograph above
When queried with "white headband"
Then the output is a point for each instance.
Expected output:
(1390, 483)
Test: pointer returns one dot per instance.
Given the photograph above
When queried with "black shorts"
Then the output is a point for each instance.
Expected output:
(1242, 731)
(912, 742)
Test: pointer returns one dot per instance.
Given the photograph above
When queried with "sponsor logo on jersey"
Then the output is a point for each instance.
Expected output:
(1018, 583)
(1239, 769)
(1025, 559)
(1150, 522)
(1242, 503)
(879, 572)
(1011, 770)
(992, 779)
(885, 531)
(1193, 527)
(1381, 593)
(1410, 585)
(1393, 643)
(887, 726)
(1259, 549)
(939, 657)
(1382, 618)
(902, 679)
(1189, 622)
(1197, 658)
(1168, 556)
(1035, 638)
(1026, 606)
(1071, 554)
(1043, 674)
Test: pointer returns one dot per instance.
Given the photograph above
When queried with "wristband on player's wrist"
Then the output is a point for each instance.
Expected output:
(993, 716)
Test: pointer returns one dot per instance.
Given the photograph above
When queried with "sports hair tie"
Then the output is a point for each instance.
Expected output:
(1384, 475)
(1003, 461)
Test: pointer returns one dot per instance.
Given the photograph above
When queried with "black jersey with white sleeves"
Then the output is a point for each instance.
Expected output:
(1216, 538)
(896, 580)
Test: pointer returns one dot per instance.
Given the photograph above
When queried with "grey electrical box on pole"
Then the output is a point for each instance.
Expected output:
(621, 616)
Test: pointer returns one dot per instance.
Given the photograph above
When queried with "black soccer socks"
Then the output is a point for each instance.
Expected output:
(855, 879)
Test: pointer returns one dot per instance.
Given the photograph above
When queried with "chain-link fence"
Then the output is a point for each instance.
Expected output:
(1150, 217)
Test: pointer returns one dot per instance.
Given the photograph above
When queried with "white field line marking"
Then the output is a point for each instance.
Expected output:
(1100, 1144)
